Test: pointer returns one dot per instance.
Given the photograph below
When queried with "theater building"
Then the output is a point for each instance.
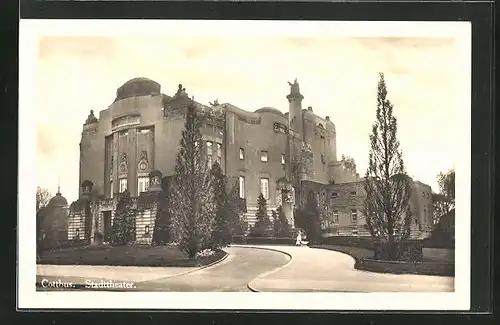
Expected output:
(133, 143)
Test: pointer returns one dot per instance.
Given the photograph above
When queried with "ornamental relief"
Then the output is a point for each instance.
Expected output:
(143, 161)
(125, 120)
(111, 165)
(123, 164)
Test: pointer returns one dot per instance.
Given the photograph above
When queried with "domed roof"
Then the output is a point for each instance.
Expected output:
(138, 87)
(58, 201)
(271, 110)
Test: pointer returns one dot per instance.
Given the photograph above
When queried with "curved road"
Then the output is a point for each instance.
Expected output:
(233, 274)
(313, 269)
(261, 269)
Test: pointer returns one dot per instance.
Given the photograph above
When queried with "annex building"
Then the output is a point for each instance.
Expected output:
(133, 143)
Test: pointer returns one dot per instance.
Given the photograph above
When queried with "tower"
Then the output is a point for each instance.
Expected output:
(295, 109)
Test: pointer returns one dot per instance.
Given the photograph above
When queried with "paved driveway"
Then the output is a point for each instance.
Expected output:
(233, 274)
(318, 270)
(262, 269)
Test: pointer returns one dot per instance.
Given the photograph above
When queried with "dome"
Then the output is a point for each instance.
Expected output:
(271, 110)
(138, 87)
(58, 201)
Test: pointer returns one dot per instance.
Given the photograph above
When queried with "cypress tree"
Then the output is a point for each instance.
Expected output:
(123, 228)
(263, 224)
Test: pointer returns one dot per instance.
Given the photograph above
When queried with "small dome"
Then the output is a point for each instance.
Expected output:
(138, 87)
(271, 110)
(58, 201)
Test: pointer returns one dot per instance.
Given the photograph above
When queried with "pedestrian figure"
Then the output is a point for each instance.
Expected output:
(298, 241)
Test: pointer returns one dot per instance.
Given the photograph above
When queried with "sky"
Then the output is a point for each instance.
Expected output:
(337, 76)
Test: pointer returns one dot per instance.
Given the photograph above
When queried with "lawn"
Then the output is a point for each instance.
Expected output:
(356, 252)
(364, 261)
(127, 255)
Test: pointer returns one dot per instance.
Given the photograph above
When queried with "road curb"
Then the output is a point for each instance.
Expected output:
(196, 269)
(249, 284)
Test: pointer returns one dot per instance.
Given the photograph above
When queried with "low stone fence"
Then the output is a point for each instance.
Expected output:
(422, 268)
(242, 240)
(440, 254)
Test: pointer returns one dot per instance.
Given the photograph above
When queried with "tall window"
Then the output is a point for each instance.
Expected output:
(264, 187)
(282, 158)
(219, 153)
(242, 153)
(263, 156)
(111, 190)
(209, 152)
(142, 184)
(123, 185)
(335, 216)
(354, 216)
(334, 195)
(425, 215)
(242, 187)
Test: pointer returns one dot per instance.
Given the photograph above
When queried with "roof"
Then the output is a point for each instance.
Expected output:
(58, 201)
(137, 87)
(271, 110)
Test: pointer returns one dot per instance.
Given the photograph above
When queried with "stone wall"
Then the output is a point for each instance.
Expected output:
(439, 254)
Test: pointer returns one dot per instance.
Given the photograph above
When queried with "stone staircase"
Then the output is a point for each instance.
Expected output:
(252, 210)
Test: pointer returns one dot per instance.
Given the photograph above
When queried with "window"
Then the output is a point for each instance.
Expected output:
(146, 229)
(209, 153)
(123, 185)
(354, 216)
(123, 133)
(353, 193)
(264, 187)
(209, 148)
(77, 233)
(263, 156)
(219, 153)
(142, 184)
(282, 158)
(242, 187)
(425, 215)
(242, 153)
(111, 190)
(336, 216)
(423, 194)
(334, 195)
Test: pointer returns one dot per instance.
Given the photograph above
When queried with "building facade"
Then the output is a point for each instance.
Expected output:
(342, 205)
(138, 135)
(52, 222)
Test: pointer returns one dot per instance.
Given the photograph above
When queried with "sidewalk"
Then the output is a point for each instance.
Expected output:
(79, 273)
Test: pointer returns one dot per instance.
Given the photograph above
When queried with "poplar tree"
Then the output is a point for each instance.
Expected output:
(191, 199)
(387, 185)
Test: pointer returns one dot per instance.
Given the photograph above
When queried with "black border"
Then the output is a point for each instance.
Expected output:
(479, 13)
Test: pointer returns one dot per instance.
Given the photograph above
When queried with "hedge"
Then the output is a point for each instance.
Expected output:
(263, 240)
(398, 267)
(410, 250)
